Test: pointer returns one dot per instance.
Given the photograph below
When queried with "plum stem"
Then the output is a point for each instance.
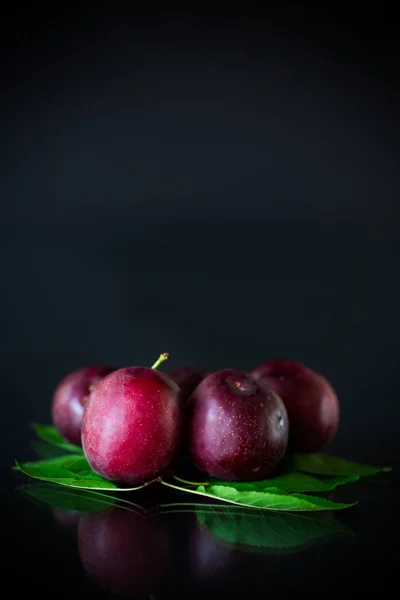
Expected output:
(164, 356)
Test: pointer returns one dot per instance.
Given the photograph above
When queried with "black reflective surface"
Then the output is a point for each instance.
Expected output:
(224, 188)
(155, 544)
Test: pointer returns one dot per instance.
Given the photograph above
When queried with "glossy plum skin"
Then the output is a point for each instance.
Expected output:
(238, 428)
(310, 401)
(70, 397)
(132, 425)
(127, 553)
(188, 378)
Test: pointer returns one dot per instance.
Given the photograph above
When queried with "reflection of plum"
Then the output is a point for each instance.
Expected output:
(67, 519)
(226, 543)
(125, 552)
(211, 563)
(215, 563)
(218, 564)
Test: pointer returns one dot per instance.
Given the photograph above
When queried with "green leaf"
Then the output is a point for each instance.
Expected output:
(268, 499)
(63, 476)
(67, 498)
(73, 462)
(45, 450)
(71, 470)
(266, 530)
(272, 499)
(49, 434)
(294, 481)
(323, 464)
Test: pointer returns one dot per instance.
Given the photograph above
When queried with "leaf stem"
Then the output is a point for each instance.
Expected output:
(192, 507)
(182, 489)
(204, 494)
(211, 506)
(195, 483)
(117, 498)
(163, 357)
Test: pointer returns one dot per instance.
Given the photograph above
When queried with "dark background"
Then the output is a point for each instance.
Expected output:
(222, 185)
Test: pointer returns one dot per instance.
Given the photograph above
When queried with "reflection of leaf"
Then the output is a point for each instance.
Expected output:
(269, 499)
(323, 464)
(293, 481)
(49, 434)
(68, 498)
(265, 530)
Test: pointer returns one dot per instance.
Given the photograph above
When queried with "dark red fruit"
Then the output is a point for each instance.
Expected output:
(188, 378)
(127, 553)
(310, 401)
(238, 428)
(70, 397)
(132, 425)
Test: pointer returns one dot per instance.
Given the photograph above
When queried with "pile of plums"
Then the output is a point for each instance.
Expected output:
(132, 422)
